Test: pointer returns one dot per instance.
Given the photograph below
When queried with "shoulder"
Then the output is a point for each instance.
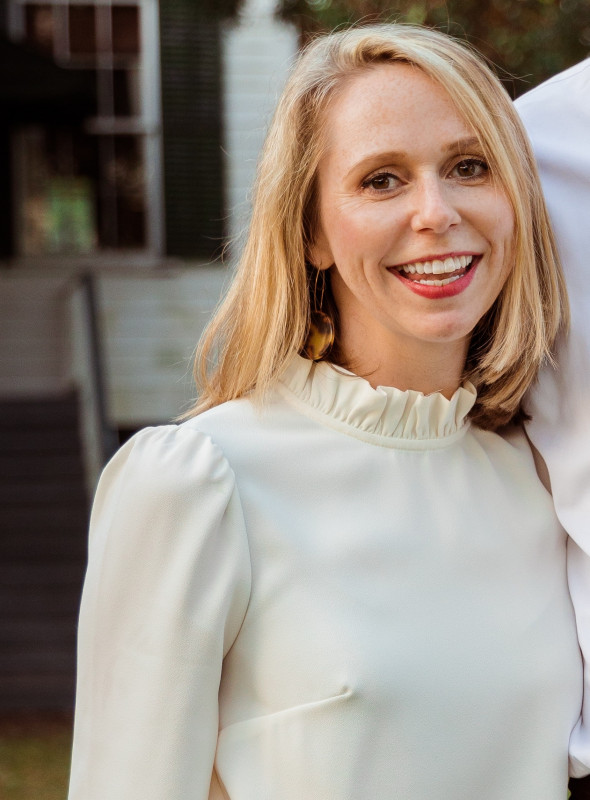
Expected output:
(168, 472)
(247, 431)
(515, 452)
(170, 456)
(227, 420)
(168, 543)
(168, 498)
(509, 445)
(576, 78)
(570, 88)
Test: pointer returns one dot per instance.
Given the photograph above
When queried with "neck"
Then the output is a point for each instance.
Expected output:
(425, 367)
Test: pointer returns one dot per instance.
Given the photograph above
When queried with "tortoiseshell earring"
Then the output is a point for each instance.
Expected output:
(320, 337)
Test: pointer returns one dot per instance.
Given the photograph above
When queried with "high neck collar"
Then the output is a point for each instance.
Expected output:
(342, 397)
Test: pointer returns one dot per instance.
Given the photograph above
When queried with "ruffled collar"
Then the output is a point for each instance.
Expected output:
(343, 398)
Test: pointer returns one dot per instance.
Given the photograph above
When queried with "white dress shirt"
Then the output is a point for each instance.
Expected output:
(557, 117)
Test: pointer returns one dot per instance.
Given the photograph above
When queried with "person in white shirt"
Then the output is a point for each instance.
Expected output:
(556, 115)
(341, 577)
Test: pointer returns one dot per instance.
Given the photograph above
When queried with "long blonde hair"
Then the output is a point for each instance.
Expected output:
(264, 319)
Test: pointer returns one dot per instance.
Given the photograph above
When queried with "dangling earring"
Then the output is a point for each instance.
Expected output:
(320, 337)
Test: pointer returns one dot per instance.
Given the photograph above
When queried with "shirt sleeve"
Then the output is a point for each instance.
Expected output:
(559, 429)
(165, 594)
(557, 117)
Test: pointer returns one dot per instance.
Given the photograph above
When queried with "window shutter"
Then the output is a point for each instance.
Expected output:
(191, 111)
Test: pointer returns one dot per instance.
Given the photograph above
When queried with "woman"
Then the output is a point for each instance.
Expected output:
(338, 579)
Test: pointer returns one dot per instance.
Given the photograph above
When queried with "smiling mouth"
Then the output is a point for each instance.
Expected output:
(438, 272)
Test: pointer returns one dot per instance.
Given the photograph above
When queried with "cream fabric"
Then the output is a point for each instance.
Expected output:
(347, 594)
(557, 117)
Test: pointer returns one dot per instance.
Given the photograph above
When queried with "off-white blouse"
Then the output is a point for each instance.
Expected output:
(347, 594)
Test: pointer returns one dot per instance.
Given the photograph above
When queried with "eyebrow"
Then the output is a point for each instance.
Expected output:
(462, 145)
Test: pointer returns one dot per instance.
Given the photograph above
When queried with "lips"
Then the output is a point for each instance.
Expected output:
(438, 277)
(436, 272)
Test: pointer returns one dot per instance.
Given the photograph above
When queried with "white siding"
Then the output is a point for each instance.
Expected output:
(257, 53)
(151, 325)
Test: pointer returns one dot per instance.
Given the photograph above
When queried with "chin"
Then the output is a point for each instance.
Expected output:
(447, 334)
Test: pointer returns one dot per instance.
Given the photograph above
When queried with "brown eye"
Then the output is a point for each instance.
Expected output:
(471, 168)
(383, 182)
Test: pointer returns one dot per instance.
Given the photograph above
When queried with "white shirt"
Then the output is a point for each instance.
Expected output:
(348, 594)
(557, 117)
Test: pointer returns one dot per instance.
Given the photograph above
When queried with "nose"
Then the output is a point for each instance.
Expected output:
(433, 210)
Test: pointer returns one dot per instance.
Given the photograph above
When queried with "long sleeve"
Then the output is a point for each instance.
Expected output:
(165, 594)
(557, 117)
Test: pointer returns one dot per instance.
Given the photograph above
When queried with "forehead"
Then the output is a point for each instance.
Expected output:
(391, 107)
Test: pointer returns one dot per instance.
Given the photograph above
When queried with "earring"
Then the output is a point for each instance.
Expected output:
(321, 334)
(320, 337)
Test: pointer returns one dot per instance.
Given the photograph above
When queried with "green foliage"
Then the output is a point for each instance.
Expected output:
(527, 40)
(35, 766)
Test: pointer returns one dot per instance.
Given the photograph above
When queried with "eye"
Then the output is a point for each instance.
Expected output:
(470, 169)
(382, 182)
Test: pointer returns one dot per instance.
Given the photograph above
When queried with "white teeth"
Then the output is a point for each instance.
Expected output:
(437, 267)
(443, 282)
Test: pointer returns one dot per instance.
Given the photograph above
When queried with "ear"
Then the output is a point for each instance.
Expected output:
(320, 253)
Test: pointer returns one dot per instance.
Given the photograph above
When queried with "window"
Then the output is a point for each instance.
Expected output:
(87, 188)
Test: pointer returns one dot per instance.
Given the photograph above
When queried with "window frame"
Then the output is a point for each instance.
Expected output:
(147, 125)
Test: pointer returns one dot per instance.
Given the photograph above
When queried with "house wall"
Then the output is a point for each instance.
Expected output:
(151, 314)
(257, 53)
(151, 325)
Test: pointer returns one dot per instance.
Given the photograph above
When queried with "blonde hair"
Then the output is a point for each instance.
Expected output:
(265, 316)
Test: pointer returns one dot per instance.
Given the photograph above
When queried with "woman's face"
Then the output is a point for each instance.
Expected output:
(418, 234)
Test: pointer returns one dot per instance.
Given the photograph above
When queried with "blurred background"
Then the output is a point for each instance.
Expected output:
(129, 134)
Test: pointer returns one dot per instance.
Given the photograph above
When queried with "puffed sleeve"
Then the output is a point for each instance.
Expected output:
(166, 591)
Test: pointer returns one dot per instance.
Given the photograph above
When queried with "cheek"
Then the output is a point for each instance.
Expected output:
(357, 235)
(504, 224)
(501, 234)
(505, 236)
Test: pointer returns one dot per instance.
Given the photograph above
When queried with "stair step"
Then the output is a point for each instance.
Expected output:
(38, 413)
(32, 547)
(34, 465)
(46, 440)
(51, 520)
(35, 635)
(43, 576)
(43, 550)
(43, 691)
(46, 492)
(54, 605)
(37, 661)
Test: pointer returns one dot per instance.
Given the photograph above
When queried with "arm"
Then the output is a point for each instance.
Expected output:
(165, 594)
(557, 117)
